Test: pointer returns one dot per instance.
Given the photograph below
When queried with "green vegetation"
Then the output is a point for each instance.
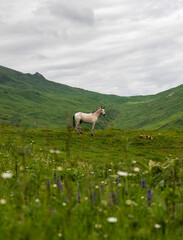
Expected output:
(58, 185)
(32, 101)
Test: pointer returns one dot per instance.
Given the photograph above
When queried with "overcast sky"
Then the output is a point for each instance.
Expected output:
(122, 47)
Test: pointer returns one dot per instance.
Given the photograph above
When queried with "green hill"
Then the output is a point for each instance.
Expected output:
(32, 101)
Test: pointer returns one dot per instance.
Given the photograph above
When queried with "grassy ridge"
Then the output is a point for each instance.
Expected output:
(32, 101)
(65, 186)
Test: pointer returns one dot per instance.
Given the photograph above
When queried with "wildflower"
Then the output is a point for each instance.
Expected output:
(6, 175)
(21, 168)
(54, 151)
(59, 184)
(114, 176)
(104, 202)
(3, 201)
(37, 200)
(113, 198)
(130, 202)
(157, 225)
(102, 187)
(55, 174)
(123, 174)
(143, 183)
(118, 180)
(149, 197)
(59, 168)
(136, 169)
(112, 219)
(93, 197)
(79, 198)
(48, 183)
(59, 234)
(98, 226)
(54, 185)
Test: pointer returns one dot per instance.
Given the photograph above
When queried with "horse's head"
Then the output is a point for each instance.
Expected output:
(102, 111)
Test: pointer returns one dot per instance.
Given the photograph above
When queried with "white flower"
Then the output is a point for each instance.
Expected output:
(21, 168)
(59, 234)
(136, 169)
(157, 225)
(3, 201)
(98, 226)
(123, 174)
(59, 168)
(112, 219)
(130, 202)
(37, 200)
(54, 151)
(6, 175)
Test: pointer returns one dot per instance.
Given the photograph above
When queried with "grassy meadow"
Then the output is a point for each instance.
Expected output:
(58, 185)
(30, 100)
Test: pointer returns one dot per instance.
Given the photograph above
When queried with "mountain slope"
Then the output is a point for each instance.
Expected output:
(32, 101)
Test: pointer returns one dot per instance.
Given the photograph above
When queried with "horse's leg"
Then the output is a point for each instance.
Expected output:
(78, 128)
(93, 126)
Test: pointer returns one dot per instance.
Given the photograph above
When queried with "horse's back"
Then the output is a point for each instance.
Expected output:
(78, 115)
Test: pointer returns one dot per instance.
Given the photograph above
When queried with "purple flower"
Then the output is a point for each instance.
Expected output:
(59, 184)
(79, 198)
(149, 197)
(48, 183)
(143, 183)
(55, 174)
(118, 180)
(93, 197)
(113, 198)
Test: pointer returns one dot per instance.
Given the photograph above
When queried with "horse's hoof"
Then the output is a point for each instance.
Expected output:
(81, 133)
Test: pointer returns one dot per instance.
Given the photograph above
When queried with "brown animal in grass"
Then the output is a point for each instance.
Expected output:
(145, 136)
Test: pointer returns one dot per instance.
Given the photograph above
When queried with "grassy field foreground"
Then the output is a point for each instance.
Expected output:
(58, 185)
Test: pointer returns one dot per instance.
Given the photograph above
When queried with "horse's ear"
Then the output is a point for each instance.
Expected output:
(103, 107)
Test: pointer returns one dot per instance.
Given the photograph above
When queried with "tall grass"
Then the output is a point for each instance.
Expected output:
(58, 185)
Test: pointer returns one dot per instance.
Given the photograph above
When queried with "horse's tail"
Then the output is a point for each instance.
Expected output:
(74, 124)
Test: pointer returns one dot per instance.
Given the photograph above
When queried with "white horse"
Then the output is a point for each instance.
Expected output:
(87, 118)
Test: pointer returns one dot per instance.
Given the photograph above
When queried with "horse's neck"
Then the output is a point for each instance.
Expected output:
(97, 113)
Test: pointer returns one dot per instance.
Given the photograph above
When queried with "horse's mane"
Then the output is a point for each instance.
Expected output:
(96, 110)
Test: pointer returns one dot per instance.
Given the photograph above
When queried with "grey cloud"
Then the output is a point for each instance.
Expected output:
(122, 47)
(71, 10)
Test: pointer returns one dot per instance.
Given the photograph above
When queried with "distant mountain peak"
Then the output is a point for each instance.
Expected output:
(39, 75)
